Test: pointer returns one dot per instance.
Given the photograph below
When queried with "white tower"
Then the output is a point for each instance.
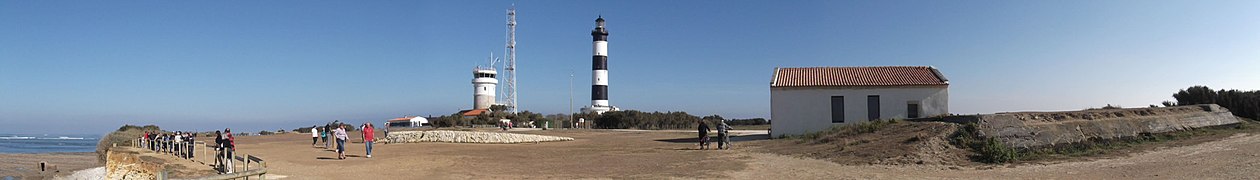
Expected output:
(599, 75)
(484, 83)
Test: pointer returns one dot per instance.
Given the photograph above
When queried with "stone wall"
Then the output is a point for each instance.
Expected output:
(467, 137)
(126, 163)
(1037, 129)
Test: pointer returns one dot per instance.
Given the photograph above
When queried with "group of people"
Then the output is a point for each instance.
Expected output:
(183, 144)
(723, 130)
(337, 131)
(176, 143)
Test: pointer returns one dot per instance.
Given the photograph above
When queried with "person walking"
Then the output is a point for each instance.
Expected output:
(703, 128)
(341, 136)
(368, 137)
(327, 130)
(724, 137)
(314, 135)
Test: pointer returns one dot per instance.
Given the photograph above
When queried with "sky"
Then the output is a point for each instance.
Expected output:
(91, 66)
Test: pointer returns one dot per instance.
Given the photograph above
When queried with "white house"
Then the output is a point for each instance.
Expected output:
(809, 99)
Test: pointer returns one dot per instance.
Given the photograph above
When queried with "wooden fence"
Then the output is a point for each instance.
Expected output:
(250, 166)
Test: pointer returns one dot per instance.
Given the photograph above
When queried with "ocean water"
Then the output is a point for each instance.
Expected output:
(46, 143)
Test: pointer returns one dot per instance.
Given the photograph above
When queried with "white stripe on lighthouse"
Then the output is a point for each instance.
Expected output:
(600, 77)
(601, 48)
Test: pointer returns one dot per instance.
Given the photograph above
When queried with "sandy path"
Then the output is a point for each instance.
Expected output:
(595, 154)
(670, 155)
(1236, 157)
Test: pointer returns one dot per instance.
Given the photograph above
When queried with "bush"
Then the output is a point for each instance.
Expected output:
(632, 119)
(122, 137)
(993, 151)
(753, 121)
(988, 150)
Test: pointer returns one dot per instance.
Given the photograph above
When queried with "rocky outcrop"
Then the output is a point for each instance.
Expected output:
(1036, 129)
(467, 137)
(126, 163)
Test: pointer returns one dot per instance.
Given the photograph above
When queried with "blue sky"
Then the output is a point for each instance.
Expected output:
(90, 66)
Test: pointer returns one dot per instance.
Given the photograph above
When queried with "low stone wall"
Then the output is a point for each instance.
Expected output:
(1037, 129)
(467, 137)
(126, 163)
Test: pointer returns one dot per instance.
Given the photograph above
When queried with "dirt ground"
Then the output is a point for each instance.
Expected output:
(901, 143)
(604, 154)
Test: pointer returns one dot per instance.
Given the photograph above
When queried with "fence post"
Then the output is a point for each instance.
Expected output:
(246, 160)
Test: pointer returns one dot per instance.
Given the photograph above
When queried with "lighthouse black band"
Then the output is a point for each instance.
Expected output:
(599, 92)
(600, 62)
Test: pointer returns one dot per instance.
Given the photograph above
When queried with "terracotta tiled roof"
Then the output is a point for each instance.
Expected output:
(474, 112)
(857, 76)
(401, 119)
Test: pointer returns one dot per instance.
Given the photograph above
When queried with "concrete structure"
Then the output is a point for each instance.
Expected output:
(810, 99)
(599, 75)
(484, 83)
(1039, 129)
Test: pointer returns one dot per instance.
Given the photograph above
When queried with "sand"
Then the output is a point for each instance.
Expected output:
(607, 154)
(27, 165)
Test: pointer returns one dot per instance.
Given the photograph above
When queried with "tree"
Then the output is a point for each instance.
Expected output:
(498, 107)
(1240, 103)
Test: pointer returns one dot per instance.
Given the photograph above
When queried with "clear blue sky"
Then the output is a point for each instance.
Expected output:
(90, 66)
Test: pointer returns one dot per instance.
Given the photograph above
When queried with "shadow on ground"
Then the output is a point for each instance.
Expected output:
(733, 139)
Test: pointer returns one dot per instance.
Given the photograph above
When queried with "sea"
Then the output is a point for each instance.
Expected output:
(47, 143)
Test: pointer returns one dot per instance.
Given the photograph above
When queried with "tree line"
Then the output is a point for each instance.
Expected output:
(1240, 103)
(628, 119)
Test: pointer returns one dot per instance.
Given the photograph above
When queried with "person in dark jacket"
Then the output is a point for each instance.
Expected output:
(703, 129)
(229, 149)
(219, 159)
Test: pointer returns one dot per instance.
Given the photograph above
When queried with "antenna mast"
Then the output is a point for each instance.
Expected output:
(509, 91)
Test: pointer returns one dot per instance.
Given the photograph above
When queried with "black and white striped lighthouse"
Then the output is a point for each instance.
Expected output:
(599, 76)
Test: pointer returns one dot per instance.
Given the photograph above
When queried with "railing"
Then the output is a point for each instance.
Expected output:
(259, 166)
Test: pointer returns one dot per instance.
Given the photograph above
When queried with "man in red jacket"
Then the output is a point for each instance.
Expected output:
(368, 137)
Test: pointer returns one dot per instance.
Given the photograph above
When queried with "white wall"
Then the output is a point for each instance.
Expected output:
(799, 110)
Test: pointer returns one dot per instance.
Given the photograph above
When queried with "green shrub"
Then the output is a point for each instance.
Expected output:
(993, 151)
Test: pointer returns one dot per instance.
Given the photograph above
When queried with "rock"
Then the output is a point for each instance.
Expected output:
(468, 137)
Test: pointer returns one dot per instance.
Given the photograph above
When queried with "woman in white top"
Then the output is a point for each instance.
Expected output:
(341, 135)
(314, 135)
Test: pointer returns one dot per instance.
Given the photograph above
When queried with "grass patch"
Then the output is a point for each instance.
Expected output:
(845, 130)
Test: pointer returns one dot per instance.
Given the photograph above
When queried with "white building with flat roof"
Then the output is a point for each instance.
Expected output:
(811, 99)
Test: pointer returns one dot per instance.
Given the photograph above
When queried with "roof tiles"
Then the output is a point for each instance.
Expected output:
(857, 76)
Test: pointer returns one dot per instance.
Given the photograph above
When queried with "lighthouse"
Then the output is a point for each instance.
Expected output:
(599, 75)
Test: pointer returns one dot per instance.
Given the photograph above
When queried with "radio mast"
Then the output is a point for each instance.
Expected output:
(509, 88)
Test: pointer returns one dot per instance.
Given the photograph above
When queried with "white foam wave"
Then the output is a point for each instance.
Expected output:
(64, 138)
(17, 137)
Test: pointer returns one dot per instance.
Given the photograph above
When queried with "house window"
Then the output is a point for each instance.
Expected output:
(912, 110)
(837, 109)
(872, 107)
